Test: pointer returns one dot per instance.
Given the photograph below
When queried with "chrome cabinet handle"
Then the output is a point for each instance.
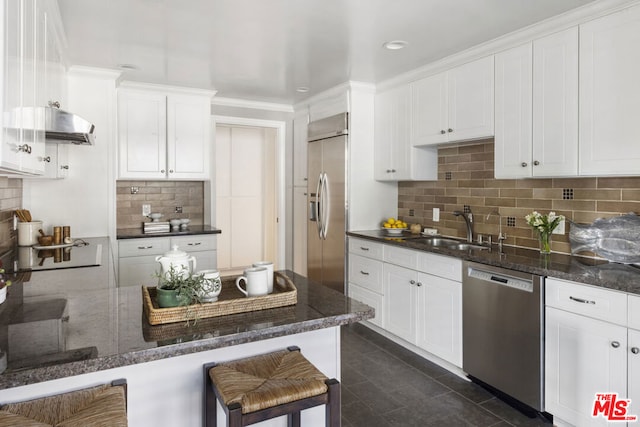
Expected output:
(388, 170)
(615, 344)
(536, 163)
(162, 171)
(194, 244)
(145, 247)
(443, 132)
(47, 159)
(523, 164)
(419, 284)
(25, 148)
(170, 170)
(413, 282)
(364, 273)
(635, 350)
(364, 248)
(54, 104)
(583, 301)
(449, 130)
(64, 167)
(393, 170)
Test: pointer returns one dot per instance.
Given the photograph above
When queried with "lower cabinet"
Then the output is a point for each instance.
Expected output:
(137, 263)
(590, 348)
(365, 276)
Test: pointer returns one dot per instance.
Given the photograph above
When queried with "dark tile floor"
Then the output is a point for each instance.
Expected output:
(384, 384)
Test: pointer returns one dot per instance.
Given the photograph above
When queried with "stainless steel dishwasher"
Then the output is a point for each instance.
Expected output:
(503, 332)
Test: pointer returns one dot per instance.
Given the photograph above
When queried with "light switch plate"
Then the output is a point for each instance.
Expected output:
(146, 209)
(436, 214)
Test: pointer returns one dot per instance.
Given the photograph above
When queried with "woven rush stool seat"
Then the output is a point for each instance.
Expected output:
(100, 406)
(267, 386)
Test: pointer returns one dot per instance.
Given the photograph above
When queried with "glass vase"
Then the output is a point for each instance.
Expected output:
(545, 242)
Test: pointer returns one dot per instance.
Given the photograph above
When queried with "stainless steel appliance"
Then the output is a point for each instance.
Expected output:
(326, 201)
(502, 338)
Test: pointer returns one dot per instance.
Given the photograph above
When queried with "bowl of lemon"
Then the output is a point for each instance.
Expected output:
(393, 226)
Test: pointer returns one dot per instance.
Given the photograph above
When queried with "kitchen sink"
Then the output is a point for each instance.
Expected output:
(467, 246)
(450, 243)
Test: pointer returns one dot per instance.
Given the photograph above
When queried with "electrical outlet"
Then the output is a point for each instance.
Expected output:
(178, 209)
(436, 214)
(559, 229)
(146, 209)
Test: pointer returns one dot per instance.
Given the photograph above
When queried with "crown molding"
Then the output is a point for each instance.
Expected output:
(256, 105)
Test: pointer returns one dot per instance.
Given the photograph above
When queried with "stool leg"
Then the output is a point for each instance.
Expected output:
(332, 416)
(209, 402)
(234, 415)
(293, 419)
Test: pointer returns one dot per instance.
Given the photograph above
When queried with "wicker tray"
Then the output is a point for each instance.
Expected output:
(230, 301)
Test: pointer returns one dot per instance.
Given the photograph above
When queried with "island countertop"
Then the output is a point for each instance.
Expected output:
(62, 323)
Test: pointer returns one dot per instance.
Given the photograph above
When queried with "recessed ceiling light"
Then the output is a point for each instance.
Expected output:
(395, 44)
(302, 89)
(128, 67)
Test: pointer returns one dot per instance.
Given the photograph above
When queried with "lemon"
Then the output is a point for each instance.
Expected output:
(386, 225)
(391, 221)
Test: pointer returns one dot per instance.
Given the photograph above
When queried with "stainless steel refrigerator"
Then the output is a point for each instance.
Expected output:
(326, 198)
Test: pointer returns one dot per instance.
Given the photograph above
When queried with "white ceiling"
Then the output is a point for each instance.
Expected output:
(264, 49)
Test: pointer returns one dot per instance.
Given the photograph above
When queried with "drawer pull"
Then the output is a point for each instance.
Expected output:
(364, 272)
(615, 344)
(364, 248)
(583, 301)
(413, 282)
(194, 244)
(635, 350)
(145, 247)
(419, 284)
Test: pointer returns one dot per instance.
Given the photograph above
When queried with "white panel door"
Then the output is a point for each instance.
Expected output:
(429, 114)
(513, 103)
(11, 84)
(634, 372)
(610, 94)
(555, 104)
(583, 356)
(399, 301)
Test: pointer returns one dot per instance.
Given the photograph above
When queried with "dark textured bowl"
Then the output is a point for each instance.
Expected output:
(45, 240)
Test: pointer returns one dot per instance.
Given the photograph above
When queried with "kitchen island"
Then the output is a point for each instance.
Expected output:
(97, 332)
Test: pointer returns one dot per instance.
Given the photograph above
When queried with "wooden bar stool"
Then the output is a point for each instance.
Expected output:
(267, 386)
(101, 406)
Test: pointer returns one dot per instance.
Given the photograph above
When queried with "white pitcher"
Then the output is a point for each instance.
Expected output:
(182, 262)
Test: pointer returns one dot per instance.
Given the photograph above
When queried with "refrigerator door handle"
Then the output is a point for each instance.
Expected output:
(318, 206)
(326, 208)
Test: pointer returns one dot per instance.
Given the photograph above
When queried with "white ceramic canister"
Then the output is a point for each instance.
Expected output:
(28, 233)
(269, 266)
(212, 286)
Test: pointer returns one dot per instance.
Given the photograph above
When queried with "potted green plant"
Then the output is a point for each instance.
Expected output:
(178, 287)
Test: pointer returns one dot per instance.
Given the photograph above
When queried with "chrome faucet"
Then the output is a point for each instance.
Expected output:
(501, 237)
(468, 218)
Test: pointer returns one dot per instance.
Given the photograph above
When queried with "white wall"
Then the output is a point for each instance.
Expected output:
(85, 200)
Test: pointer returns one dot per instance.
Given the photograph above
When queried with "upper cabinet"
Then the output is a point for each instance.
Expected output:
(610, 94)
(163, 135)
(536, 108)
(456, 105)
(394, 157)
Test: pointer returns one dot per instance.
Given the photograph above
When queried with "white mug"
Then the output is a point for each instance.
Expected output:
(269, 266)
(255, 279)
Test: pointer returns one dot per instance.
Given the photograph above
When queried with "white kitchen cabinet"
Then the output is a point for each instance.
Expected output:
(589, 349)
(610, 94)
(300, 125)
(536, 104)
(456, 105)
(394, 157)
(400, 301)
(56, 161)
(163, 135)
(366, 276)
(136, 257)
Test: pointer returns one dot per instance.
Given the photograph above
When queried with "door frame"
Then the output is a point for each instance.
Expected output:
(281, 213)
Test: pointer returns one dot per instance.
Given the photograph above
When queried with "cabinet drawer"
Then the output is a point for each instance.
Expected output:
(365, 248)
(141, 247)
(365, 272)
(634, 312)
(371, 299)
(400, 256)
(441, 266)
(138, 271)
(199, 242)
(610, 306)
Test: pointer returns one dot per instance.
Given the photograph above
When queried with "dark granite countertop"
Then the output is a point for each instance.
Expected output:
(137, 233)
(103, 327)
(590, 271)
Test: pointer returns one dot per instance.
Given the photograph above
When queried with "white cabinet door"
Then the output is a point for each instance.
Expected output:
(391, 135)
(399, 301)
(439, 310)
(583, 356)
(610, 94)
(142, 135)
(634, 372)
(300, 124)
(513, 104)
(429, 113)
(56, 161)
(470, 100)
(555, 104)
(188, 137)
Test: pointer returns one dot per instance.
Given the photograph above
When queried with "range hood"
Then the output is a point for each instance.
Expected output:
(62, 127)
